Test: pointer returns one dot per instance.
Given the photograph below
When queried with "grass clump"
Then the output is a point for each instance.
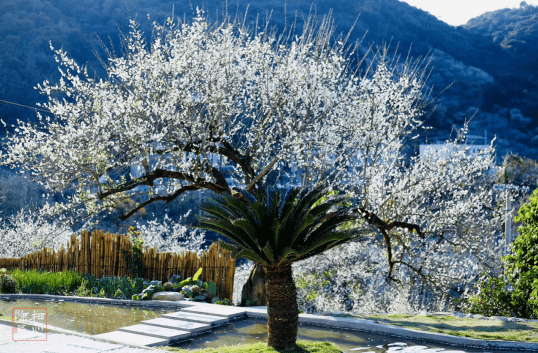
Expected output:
(302, 347)
(39, 282)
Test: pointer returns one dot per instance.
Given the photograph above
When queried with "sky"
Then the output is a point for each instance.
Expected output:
(458, 12)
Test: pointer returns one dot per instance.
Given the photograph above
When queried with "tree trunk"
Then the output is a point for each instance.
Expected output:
(282, 309)
(254, 288)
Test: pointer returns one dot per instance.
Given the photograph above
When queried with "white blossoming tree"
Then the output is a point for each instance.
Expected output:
(28, 231)
(222, 106)
(172, 235)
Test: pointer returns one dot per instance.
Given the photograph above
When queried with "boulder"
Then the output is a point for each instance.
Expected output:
(170, 296)
(254, 288)
(175, 279)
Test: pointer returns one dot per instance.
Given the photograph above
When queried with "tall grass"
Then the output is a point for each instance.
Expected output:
(37, 282)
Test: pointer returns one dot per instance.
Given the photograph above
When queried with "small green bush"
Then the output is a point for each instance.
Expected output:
(224, 301)
(197, 290)
(8, 284)
(492, 299)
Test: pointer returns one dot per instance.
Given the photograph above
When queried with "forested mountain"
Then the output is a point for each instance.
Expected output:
(491, 61)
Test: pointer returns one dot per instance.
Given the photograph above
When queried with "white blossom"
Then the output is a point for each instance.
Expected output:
(215, 106)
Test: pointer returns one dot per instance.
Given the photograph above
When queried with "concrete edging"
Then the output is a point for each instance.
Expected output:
(105, 301)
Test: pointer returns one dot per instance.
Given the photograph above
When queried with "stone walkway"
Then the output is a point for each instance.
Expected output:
(56, 343)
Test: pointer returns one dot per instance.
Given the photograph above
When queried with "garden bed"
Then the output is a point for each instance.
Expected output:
(69, 283)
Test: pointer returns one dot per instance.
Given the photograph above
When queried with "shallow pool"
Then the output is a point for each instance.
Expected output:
(91, 319)
(254, 331)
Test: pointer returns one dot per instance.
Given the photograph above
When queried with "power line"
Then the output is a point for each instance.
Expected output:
(26, 106)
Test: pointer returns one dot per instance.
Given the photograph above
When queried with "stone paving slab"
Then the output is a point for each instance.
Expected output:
(103, 346)
(132, 338)
(193, 327)
(28, 335)
(203, 319)
(157, 331)
(67, 348)
(229, 312)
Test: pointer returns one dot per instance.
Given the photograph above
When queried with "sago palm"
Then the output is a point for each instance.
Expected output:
(276, 229)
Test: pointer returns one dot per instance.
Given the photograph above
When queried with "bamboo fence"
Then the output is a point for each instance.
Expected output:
(101, 255)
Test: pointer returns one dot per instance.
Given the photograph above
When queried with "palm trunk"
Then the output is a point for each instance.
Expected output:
(282, 310)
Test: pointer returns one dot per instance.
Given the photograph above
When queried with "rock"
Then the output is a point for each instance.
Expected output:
(469, 316)
(326, 313)
(170, 296)
(478, 316)
(500, 318)
(156, 283)
(175, 279)
(147, 295)
(458, 314)
(254, 288)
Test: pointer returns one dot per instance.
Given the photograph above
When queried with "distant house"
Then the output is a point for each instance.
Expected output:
(442, 147)
(472, 149)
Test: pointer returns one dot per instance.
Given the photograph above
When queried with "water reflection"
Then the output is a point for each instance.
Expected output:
(254, 331)
(91, 319)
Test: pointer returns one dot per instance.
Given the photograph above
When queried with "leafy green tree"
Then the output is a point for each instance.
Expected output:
(275, 230)
(515, 293)
(522, 263)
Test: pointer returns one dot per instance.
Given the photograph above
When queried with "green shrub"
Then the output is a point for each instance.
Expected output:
(515, 293)
(197, 290)
(492, 299)
(224, 301)
(134, 259)
(39, 282)
(109, 286)
(521, 266)
(8, 284)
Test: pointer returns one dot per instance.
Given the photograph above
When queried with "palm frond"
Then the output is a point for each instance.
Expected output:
(299, 224)
(238, 252)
